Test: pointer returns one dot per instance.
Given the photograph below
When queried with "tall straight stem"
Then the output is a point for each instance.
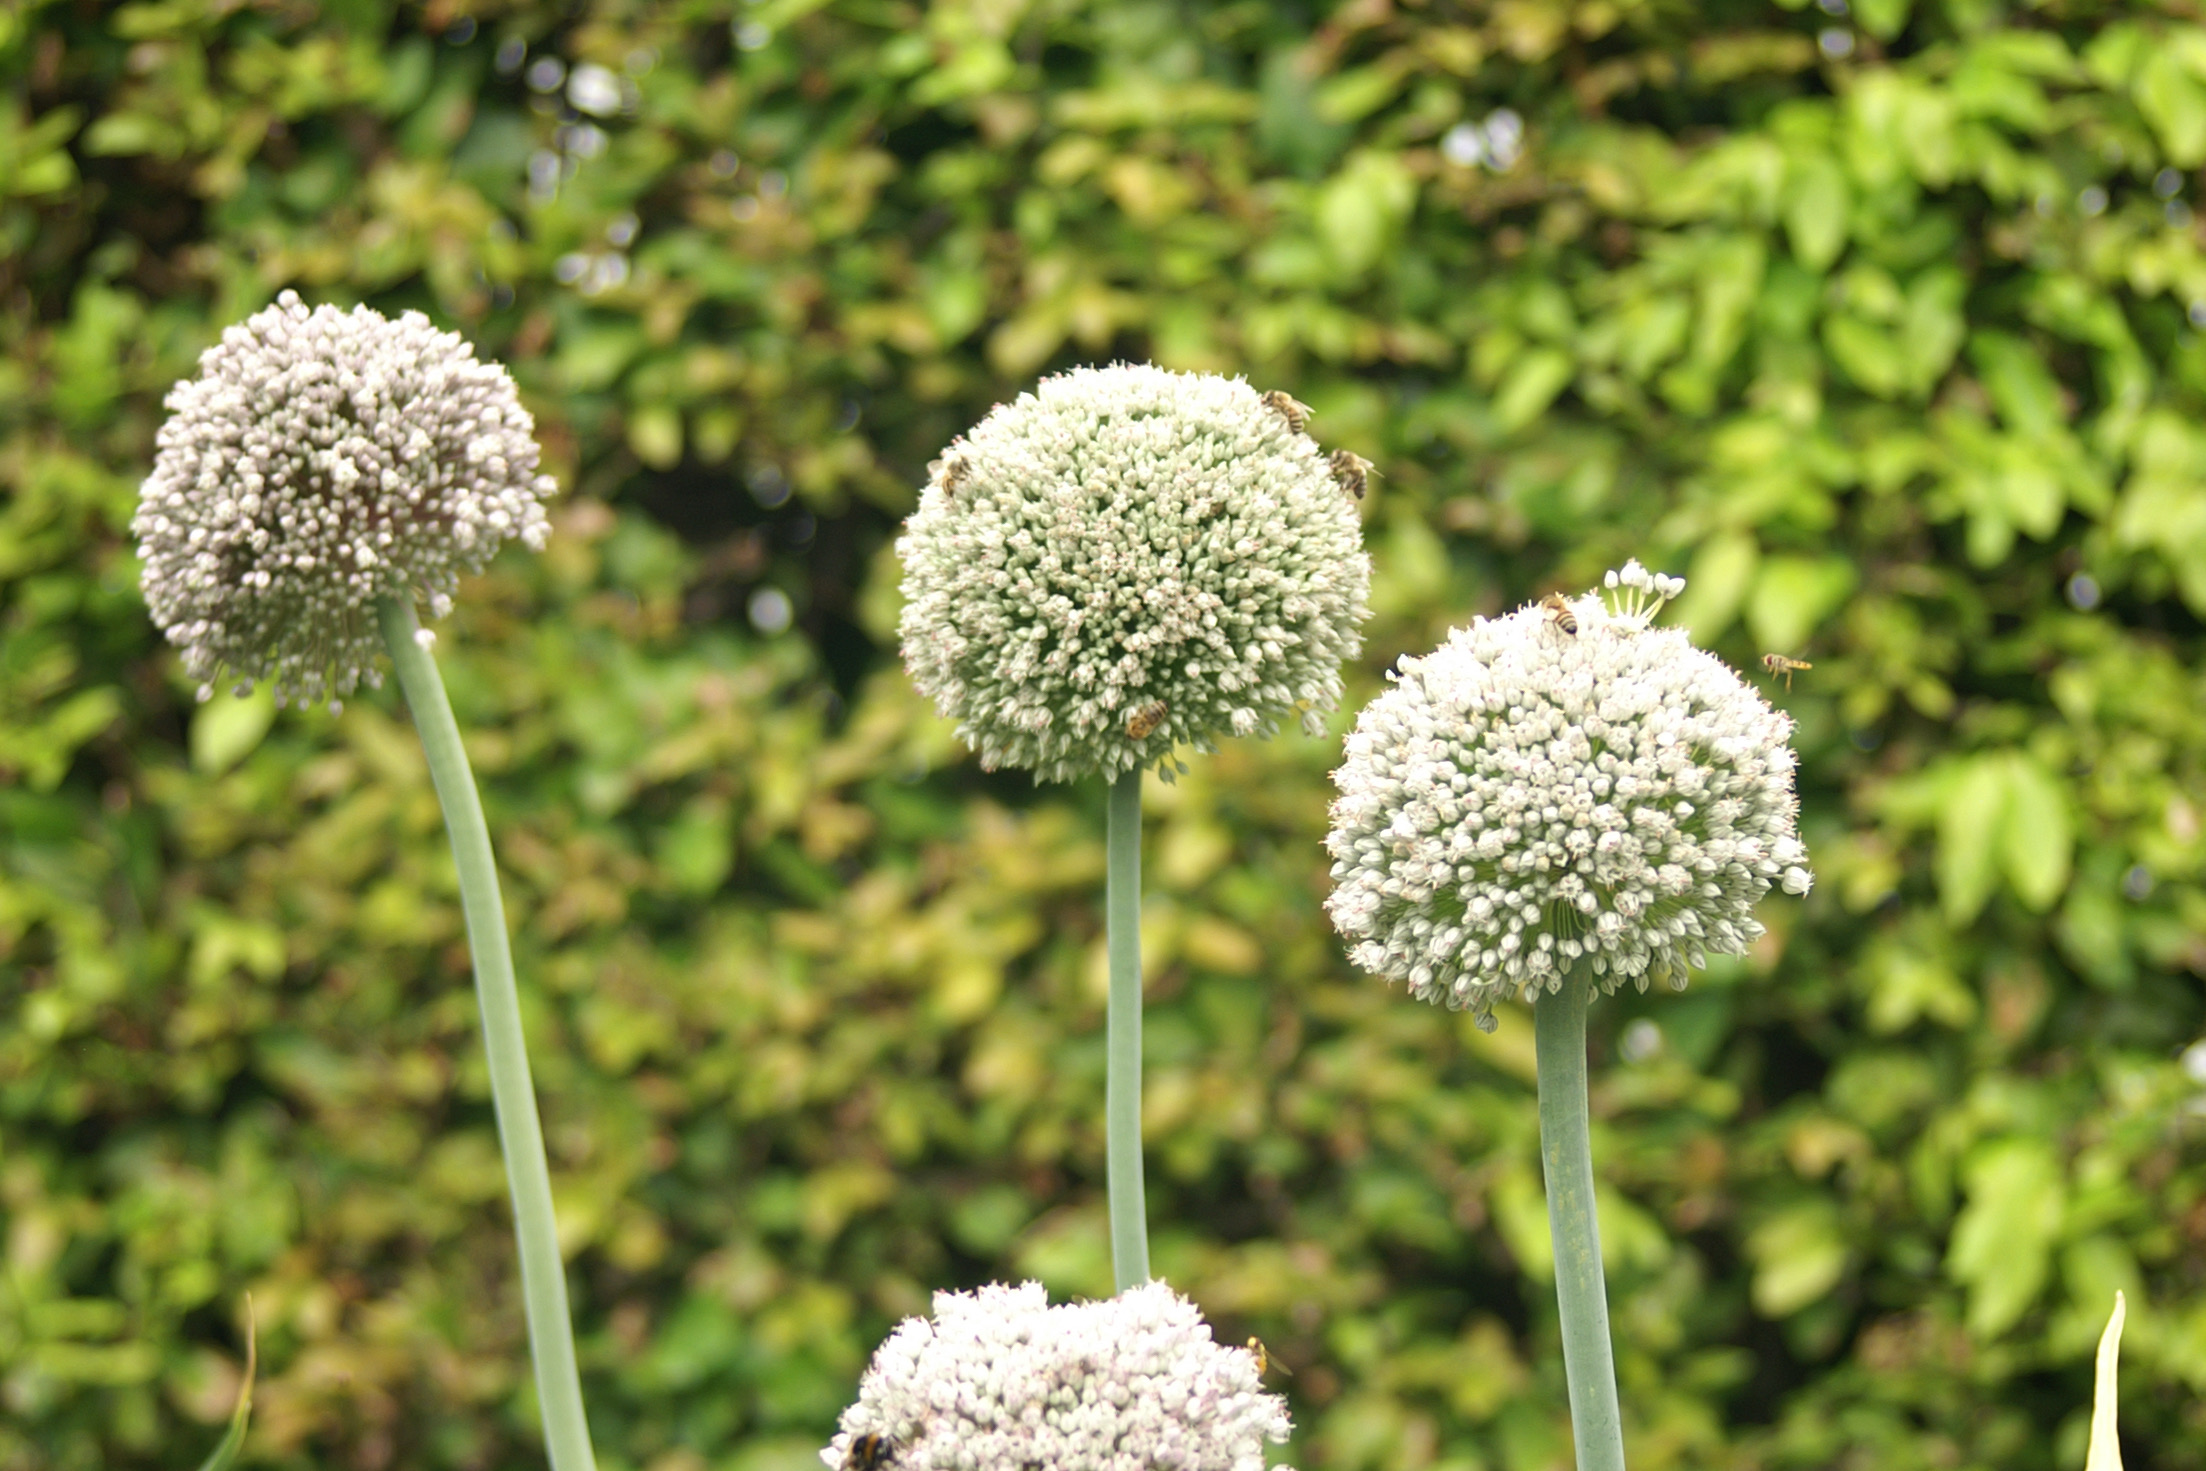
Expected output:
(1566, 1157)
(513, 1098)
(1122, 1088)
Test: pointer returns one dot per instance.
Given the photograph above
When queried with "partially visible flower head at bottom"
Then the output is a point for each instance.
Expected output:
(1566, 788)
(998, 1380)
(321, 460)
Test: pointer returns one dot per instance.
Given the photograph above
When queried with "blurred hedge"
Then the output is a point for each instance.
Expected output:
(1881, 326)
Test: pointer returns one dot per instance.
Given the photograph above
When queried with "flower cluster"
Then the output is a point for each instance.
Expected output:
(998, 1380)
(1127, 559)
(319, 461)
(1563, 787)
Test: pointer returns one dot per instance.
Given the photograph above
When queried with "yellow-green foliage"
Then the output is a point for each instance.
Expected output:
(1876, 325)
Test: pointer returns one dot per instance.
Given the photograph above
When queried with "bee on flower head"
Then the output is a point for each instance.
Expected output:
(951, 469)
(1265, 1363)
(869, 1452)
(1287, 407)
(1557, 608)
(1352, 470)
(1140, 723)
(1778, 664)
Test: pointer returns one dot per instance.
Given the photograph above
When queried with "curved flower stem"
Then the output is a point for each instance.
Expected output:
(543, 1275)
(1566, 1158)
(1122, 1089)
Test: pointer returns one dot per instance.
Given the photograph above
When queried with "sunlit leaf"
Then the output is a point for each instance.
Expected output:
(2037, 835)
(1971, 819)
(1816, 203)
(2002, 1240)
(1799, 1256)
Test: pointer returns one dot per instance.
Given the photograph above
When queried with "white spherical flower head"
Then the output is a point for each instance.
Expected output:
(1127, 559)
(1564, 788)
(998, 1380)
(320, 460)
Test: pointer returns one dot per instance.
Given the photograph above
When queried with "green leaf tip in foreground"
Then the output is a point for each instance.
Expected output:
(225, 1454)
(2106, 1449)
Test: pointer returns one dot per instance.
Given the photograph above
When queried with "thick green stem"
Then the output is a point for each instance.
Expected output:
(543, 1275)
(1122, 1089)
(1566, 1157)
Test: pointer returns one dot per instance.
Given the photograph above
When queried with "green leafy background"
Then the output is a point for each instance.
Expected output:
(1878, 325)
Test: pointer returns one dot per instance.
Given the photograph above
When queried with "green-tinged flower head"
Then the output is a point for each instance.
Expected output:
(1127, 559)
(321, 460)
(1566, 787)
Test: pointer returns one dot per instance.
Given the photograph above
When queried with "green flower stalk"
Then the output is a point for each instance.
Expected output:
(324, 474)
(1550, 805)
(1121, 562)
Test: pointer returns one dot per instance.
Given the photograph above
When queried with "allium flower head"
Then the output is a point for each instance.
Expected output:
(319, 461)
(998, 1380)
(1526, 800)
(1127, 559)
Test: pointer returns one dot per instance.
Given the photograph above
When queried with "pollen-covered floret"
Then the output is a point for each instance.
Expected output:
(1526, 800)
(320, 460)
(1125, 560)
(998, 1380)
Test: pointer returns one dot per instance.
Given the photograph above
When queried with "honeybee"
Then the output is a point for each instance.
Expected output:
(951, 469)
(1352, 470)
(1557, 608)
(869, 1452)
(1265, 1363)
(1285, 405)
(1139, 723)
(1779, 664)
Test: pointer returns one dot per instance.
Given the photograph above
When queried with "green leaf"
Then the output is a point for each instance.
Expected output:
(698, 847)
(1799, 1255)
(1355, 95)
(2028, 492)
(655, 434)
(2003, 1239)
(1520, 1214)
(2037, 836)
(1792, 595)
(226, 729)
(1882, 18)
(1360, 209)
(1970, 818)
(1532, 383)
(124, 133)
(1716, 584)
(1933, 327)
(1867, 354)
(1907, 982)
(1412, 566)
(2020, 385)
(2169, 94)
(955, 301)
(1816, 203)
